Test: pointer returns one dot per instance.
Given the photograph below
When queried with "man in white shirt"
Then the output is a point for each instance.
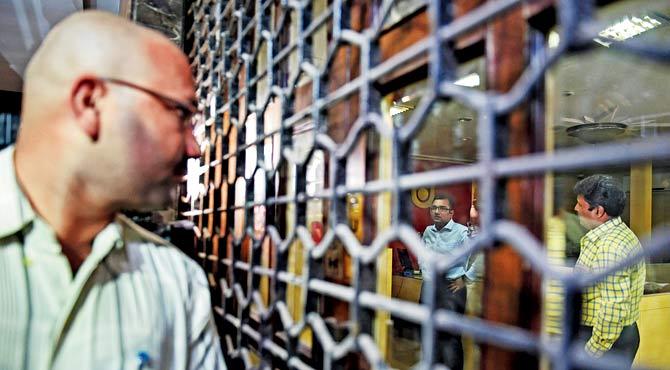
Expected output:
(105, 126)
(447, 237)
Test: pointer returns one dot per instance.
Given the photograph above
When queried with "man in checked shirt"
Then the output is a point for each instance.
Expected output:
(611, 307)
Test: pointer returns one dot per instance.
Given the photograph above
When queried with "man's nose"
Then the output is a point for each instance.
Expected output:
(192, 148)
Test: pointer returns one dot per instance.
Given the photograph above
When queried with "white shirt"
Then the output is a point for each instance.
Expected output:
(135, 295)
(445, 241)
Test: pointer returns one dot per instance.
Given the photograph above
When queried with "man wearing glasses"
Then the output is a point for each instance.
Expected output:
(445, 236)
(105, 126)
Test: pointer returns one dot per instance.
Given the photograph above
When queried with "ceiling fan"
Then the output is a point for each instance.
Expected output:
(601, 129)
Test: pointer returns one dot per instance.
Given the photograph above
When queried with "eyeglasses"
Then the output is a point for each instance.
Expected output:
(440, 208)
(184, 110)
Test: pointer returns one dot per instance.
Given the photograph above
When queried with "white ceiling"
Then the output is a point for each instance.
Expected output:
(23, 25)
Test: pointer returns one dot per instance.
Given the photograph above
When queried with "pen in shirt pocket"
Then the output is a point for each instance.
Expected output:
(143, 360)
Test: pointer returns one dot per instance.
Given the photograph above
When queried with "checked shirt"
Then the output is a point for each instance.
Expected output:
(614, 302)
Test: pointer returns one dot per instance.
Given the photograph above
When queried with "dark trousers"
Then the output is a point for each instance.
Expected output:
(449, 349)
(626, 345)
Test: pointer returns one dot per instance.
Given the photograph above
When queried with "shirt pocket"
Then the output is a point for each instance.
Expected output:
(137, 349)
(450, 246)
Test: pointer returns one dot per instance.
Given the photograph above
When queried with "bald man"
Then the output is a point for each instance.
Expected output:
(105, 126)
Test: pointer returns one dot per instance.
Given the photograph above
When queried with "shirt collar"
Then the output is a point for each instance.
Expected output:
(603, 229)
(16, 212)
(109, 238)
(448, 227)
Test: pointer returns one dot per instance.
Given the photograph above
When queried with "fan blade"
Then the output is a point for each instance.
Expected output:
(572, 120)
(599, 117)
(609, 109)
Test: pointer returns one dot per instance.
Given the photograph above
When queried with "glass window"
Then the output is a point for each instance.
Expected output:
(445, 138)
(600, 96)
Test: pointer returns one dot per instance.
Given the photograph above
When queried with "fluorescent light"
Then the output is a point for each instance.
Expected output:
(471, 80)
(626, 28)
(603, 43)
(397, 109)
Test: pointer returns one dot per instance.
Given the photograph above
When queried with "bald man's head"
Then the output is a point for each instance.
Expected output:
(108, 100)
(97, 44)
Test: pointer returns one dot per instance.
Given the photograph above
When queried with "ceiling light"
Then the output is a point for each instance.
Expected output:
(406, 99)
(397, 109)
(471, 80)
(594, 133)
(626, 28)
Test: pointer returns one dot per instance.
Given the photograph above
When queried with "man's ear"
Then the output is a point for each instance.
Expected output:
(600, 212)
(83, 101)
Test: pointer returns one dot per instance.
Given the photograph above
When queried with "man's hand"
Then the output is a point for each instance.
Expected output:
(457, 285)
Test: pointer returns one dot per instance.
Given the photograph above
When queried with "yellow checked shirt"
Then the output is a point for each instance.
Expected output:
(613, 303)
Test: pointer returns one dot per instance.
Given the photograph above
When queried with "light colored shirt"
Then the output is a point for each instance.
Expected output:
(134, 296)
(445, 241)
(614, 302)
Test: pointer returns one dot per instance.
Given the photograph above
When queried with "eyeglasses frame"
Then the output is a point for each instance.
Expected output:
(184, 111)
(440, 208)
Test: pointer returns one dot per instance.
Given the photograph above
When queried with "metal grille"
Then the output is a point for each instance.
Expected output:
(9, 125)
(227, 37)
